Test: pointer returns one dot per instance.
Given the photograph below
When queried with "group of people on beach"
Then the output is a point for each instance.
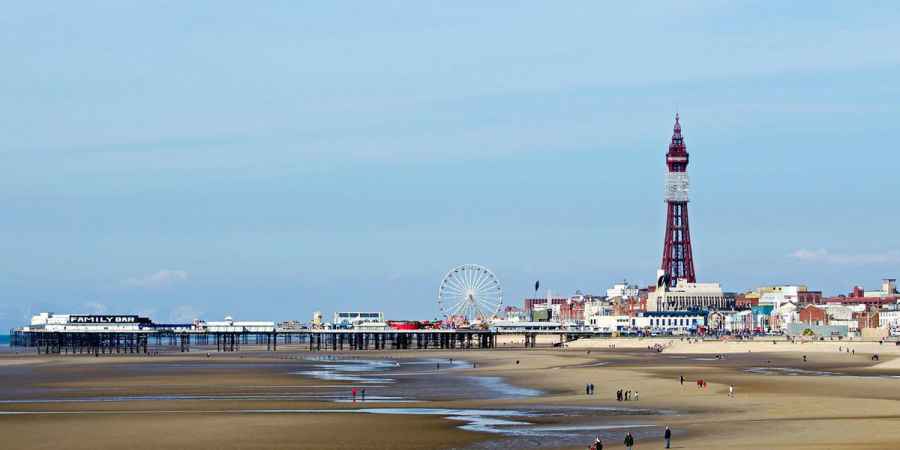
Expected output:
(629, 440)
(361, 392)
(624, 396)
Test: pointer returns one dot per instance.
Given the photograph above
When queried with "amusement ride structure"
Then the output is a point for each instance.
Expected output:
(470, 293)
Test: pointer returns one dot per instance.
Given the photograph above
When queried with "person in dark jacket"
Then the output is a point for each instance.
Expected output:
(629, 441)
(668, 436)
(598, 444)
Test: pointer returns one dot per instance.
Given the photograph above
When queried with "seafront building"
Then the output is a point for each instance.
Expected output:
(686, 296)
(888, 289)
(787, 294)
(660, 322)
(677, 322)
(889, 318)
(624, 291)
(777, 295)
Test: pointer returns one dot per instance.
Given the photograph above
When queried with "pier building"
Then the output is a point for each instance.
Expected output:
(353, 318)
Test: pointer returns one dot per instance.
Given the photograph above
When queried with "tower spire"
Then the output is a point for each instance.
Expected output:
(677, 145)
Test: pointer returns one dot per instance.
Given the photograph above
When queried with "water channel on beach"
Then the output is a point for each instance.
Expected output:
(411, 384)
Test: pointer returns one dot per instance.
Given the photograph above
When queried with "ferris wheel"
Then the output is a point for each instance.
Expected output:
(470, 292)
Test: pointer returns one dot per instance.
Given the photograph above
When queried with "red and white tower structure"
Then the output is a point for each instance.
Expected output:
(677, 258)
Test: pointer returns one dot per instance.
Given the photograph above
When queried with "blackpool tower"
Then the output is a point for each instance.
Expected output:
(677, 260)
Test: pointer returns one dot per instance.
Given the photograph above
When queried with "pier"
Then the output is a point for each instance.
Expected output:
(181, 341)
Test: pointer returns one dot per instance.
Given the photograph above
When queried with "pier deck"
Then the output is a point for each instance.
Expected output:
(155, 340)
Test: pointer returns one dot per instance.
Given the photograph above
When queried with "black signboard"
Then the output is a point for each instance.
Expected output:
(107, 319)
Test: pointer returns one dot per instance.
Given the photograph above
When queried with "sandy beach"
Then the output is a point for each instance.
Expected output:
(512, 398)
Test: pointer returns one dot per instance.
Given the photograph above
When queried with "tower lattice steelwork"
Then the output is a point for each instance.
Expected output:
(677, 259)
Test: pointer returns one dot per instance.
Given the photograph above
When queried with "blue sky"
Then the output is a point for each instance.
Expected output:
(187, 158)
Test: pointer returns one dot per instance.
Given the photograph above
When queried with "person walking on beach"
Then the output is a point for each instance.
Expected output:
(668, 436)
(731, 390)
(629, 441)
(598, 444)
(587, 389)
(363, 394)
(682, 380)
(353, 393)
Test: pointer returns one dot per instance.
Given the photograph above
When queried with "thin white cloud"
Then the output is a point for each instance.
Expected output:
(184, 314)
(824, 256)
(95, 308)
(147, 312)
(164, 277)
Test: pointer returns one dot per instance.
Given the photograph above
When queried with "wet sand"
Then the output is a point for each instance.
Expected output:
(256, 400)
